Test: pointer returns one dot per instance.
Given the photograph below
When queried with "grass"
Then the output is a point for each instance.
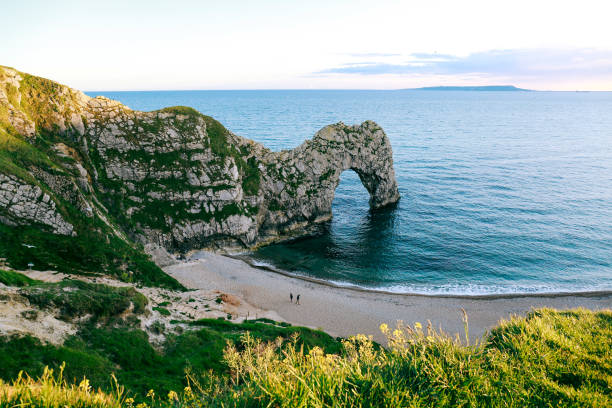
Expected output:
(86, 253)
(10, 278)
(76, 298)
(162, 310)
(51, 391)
(548, 359)
(16, 155)
(96, 352)
(269, 330)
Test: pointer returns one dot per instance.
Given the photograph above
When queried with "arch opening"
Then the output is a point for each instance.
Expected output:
(351, 197)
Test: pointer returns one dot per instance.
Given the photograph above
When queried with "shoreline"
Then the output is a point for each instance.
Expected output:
(344, 312)
(249, 261)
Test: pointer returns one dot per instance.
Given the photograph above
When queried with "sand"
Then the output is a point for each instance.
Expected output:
(345, 312)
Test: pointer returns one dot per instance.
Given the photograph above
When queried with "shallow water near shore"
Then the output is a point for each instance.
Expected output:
(502, 192)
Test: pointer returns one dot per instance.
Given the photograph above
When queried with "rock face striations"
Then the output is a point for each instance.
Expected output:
(173, 177)
(298, 185)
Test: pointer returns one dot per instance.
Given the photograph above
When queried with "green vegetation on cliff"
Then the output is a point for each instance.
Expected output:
(17, 156)
(219, 144)
(74, 152)
(86, 253)
(109, 339)
(96, 248)
(550, 358)
(10, 278)
(78, 299)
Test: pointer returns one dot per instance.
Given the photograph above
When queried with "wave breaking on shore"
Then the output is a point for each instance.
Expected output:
(464, 290)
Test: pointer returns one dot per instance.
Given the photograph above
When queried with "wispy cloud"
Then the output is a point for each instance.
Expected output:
(373, 55)
(520, 63)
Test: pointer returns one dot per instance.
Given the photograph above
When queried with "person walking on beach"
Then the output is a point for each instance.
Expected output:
(297, 300)
(291, 297)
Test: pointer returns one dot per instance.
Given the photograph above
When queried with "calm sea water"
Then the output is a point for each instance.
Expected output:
(502, 192)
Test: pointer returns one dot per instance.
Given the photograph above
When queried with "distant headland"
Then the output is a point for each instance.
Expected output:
(496, 88)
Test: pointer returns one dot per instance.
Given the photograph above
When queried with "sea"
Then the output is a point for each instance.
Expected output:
(501, 192)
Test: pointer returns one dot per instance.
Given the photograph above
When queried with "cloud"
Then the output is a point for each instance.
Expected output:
(520, 63)
(373, 55)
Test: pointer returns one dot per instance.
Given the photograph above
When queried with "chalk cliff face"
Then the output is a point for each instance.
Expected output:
(174, 177)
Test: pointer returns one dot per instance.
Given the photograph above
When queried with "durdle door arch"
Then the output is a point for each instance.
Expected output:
(317, 165)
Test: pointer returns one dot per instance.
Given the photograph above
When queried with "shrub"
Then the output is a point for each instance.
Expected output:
(162, 310)
(76, 298)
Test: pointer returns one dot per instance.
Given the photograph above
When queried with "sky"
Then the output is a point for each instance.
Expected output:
(310, 44)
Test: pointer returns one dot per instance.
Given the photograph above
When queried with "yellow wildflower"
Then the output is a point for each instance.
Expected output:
(418, 326)
(172, 396)
(84, 385)
(151, 394)
(384, 328)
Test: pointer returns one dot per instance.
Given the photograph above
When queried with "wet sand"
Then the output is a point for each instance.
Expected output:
(345, 311)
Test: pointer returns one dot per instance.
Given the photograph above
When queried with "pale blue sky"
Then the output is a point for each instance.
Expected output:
(181, 44)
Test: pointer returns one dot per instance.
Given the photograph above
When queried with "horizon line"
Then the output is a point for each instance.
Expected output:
(343, 89)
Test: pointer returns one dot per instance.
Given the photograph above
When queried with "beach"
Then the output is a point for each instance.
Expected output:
(345, 311)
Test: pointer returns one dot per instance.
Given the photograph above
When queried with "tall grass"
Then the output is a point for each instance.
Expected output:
(51, 391)
(548, 359)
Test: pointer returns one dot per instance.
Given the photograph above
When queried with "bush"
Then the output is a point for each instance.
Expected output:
(76, 298)
(162, 310)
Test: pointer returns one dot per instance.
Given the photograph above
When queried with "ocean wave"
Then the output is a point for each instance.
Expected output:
(450, 289)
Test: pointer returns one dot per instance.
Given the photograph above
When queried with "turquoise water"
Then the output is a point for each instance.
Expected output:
(502, 192)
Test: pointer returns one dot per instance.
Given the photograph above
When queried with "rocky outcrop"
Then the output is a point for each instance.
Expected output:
(22, 203)
(299, 185)
(175, 178)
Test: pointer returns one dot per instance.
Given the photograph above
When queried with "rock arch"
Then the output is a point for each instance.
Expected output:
(299, 184)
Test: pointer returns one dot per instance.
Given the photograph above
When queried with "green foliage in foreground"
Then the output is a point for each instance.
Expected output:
(550, 358)
(96, 353)
(53, 392)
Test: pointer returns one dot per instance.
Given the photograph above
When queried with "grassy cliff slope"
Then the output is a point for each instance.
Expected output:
(550, 358)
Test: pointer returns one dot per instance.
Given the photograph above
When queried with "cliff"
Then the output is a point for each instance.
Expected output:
(71, 164)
